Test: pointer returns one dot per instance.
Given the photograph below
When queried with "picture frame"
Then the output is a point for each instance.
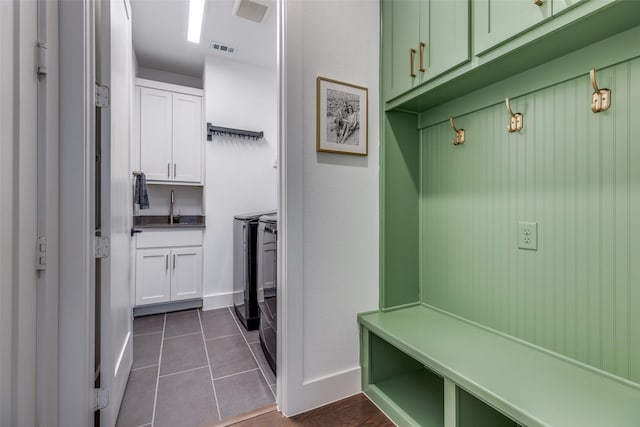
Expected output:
(342, 117)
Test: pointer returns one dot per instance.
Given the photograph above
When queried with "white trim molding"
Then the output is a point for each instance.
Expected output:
(77, 228)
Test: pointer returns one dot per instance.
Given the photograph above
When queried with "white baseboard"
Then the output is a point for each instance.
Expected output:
(213, 301)
(321, 391)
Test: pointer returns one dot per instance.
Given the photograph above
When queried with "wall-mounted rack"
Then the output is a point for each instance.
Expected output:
(237, 133)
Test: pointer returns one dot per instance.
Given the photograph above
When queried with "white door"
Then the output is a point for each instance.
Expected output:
(115, 349)
(188, 131)
(153, 276)
(154, 107)
(186, 275)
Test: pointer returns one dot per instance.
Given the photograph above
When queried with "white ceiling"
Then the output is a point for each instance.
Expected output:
(160, 36)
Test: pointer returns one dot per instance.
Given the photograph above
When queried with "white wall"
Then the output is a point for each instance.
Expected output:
(240, 177)
(168, 77)
(331, 221)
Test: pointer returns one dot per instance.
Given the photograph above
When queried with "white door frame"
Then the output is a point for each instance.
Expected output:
(28, 169)
(77, 221)
(290, 208)
(47, 194)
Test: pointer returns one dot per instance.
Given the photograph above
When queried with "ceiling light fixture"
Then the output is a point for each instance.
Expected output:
(196, 12)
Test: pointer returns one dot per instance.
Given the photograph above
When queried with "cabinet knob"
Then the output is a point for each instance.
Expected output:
(538, 2)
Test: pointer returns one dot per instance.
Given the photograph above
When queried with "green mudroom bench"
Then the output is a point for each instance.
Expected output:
(426, 367)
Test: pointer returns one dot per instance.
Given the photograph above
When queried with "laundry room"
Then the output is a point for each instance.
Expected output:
(204, 166)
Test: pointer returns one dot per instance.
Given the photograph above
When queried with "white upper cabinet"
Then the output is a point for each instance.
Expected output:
(155, 134)
(187, 137)
(171, 132)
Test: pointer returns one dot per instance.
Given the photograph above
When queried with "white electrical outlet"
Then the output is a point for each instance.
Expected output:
(528, 235)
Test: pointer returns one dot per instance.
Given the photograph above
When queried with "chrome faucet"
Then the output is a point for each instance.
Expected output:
(171, 201)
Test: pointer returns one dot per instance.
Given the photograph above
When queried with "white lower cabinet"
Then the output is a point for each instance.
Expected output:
(153, 281)
(186, 276)
(172, 272)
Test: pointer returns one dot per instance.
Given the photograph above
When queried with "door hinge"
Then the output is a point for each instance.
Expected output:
(102, 246)
(41, 65)
(41, 253)
(102, 96)
(101, 398)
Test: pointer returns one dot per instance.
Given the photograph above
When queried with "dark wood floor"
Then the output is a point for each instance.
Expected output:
(350, 412)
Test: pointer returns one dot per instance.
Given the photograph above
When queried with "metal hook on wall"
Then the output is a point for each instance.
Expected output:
(516, 121)
(459, 139)
(601, 98)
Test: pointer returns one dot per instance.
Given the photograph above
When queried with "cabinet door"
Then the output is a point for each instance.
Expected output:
(186, 273)
(400, 33)
(497, 21)
(155, 134)
(444, 29)
(188, 131)
(152, 276)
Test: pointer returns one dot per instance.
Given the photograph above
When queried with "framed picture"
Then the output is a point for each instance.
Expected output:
(342, 117)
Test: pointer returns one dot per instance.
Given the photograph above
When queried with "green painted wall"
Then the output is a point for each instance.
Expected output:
(575, 173)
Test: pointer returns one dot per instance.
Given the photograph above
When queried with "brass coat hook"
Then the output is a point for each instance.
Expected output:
(516, 122)
(601, 98)
(459, 139)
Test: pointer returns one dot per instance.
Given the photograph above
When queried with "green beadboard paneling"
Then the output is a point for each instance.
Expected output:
(399, 215)
(575, 173)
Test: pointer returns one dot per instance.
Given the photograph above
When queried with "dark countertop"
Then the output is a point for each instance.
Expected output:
(162, 221)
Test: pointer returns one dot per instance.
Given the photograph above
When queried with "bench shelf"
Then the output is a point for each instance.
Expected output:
(396, 377)
(408, 352)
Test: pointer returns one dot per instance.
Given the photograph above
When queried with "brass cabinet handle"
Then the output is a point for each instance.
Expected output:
(538, 2)
(412, 55)
(420, 56)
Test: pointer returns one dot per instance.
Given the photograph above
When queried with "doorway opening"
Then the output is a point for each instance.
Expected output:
(203, 222)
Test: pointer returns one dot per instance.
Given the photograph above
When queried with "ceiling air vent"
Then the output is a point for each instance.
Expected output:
(223, 48)
(253, 10)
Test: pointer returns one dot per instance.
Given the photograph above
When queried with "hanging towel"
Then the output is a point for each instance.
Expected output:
(140, 195)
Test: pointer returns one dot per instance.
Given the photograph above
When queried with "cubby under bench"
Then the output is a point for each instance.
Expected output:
(423, 366)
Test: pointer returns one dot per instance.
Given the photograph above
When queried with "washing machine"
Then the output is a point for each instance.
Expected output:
(267, 253)
(245, 302)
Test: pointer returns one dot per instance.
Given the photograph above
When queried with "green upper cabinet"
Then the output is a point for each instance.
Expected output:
(421, 39)
(497, 21)
(400, 33)
(444, 29)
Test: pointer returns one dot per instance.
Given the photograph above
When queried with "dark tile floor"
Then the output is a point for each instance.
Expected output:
(194, 368)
